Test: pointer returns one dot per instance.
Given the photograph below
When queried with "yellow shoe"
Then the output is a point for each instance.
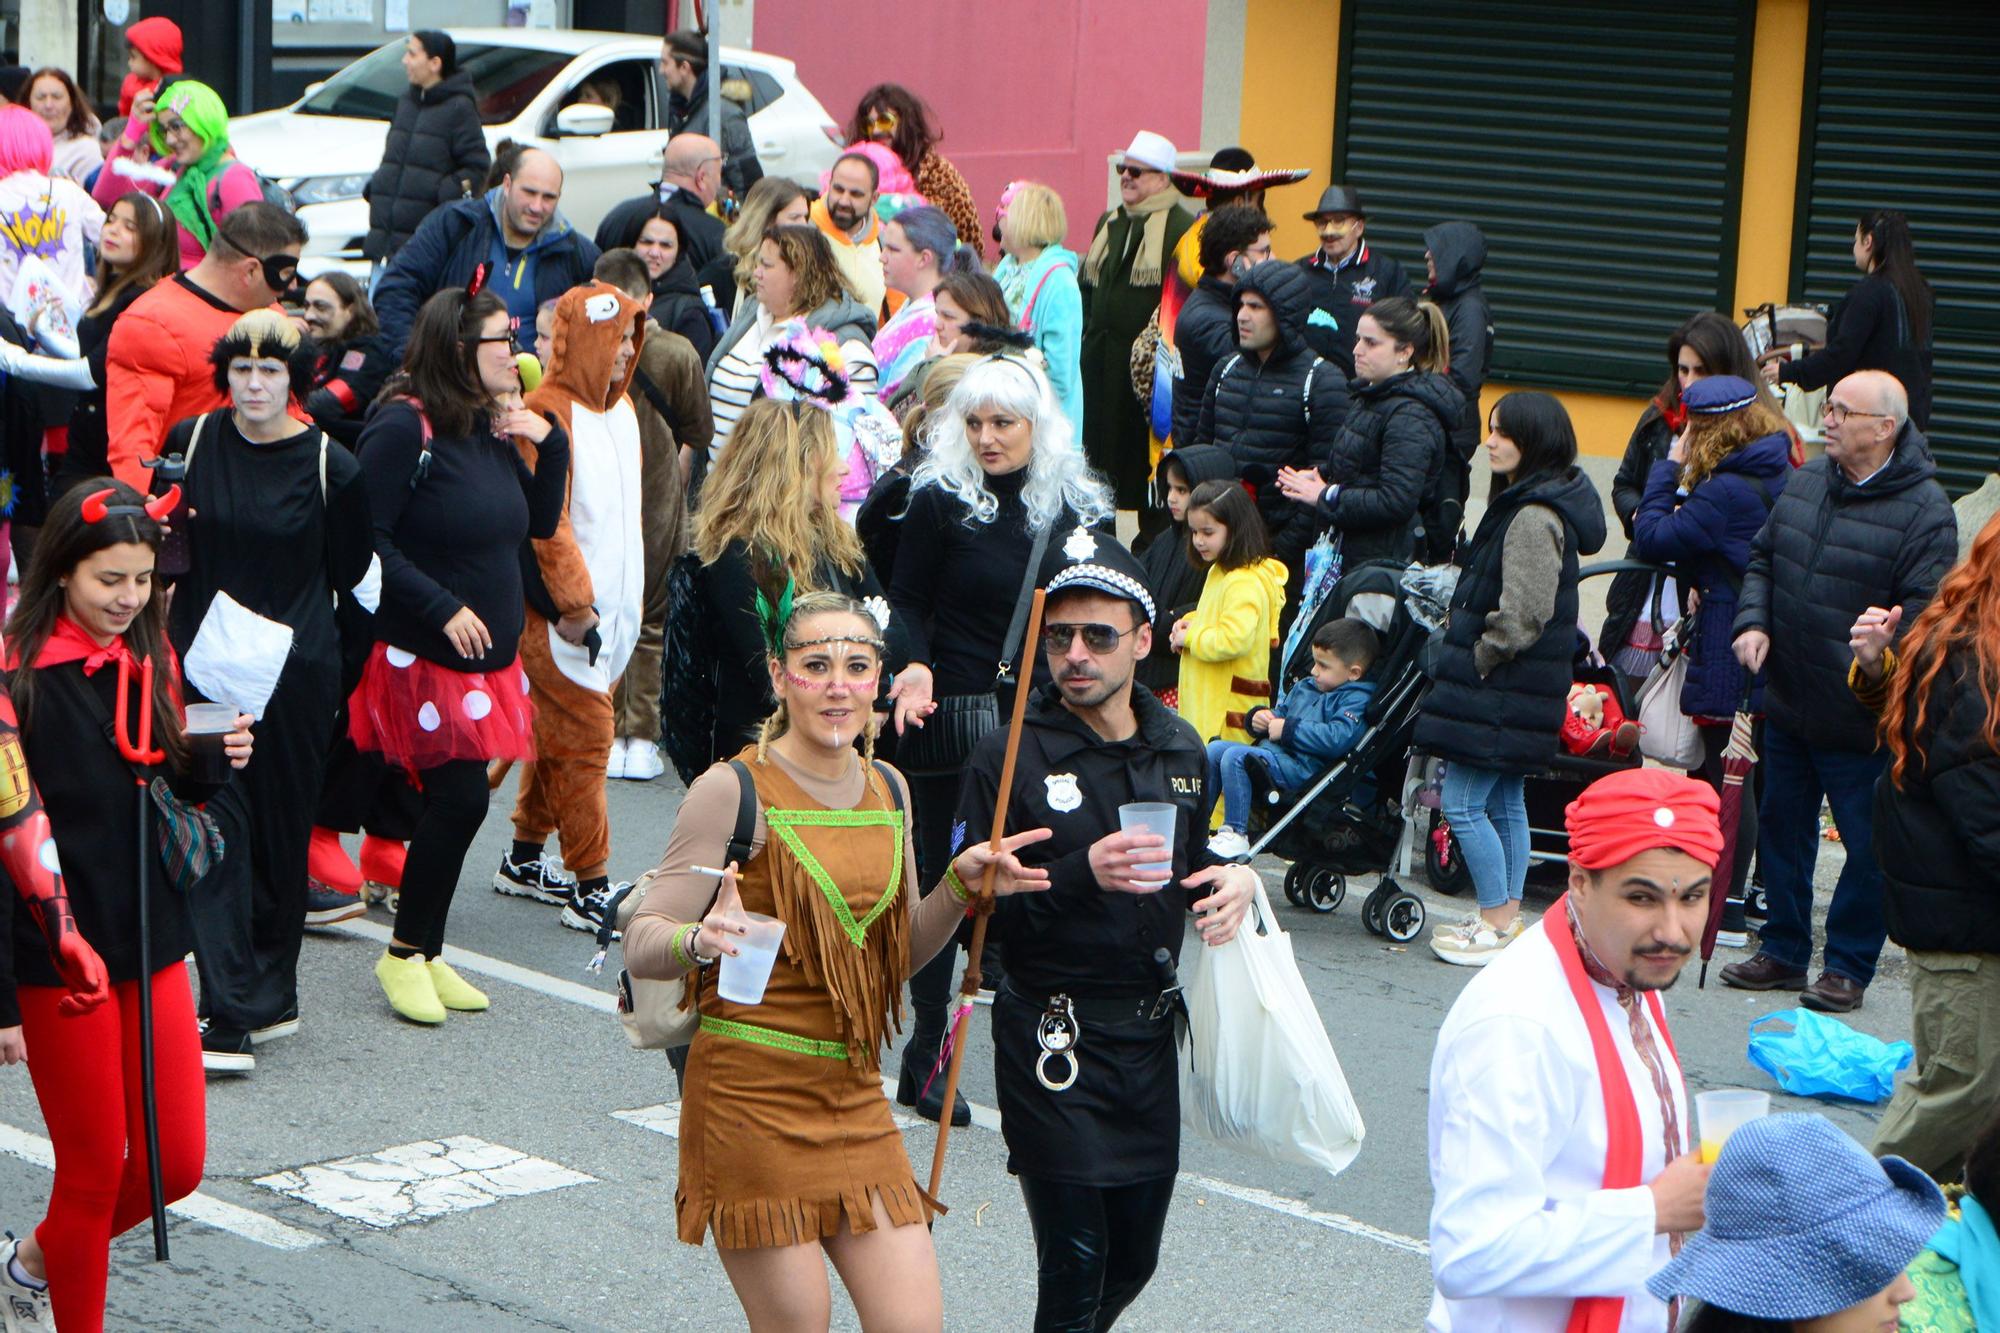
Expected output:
(407, 983)
(454, 991)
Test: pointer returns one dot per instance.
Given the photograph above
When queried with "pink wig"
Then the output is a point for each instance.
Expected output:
(895, 177)
(25, 141)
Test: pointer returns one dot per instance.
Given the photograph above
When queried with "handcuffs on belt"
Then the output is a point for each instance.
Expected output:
(1058, 1034)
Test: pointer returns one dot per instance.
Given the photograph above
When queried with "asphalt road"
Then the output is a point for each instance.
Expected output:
(585, 1239)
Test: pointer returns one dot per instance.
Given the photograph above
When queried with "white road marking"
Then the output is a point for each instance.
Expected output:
(985, 1117)
(415, 1182)
(203, 1208)
(1278, 1203)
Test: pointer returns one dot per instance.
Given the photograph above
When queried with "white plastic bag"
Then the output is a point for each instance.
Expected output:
(1666, 734)
(1257, 1071)
(37, 286)
(238, 655)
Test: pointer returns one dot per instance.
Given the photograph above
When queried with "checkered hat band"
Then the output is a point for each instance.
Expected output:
(1104, 579)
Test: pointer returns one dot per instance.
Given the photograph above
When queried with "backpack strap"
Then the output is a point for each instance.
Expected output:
(895, 788)
(187, 459)
(741, 837)
(657, 396)
(322, 467)
(1028, 310)
(423, 467)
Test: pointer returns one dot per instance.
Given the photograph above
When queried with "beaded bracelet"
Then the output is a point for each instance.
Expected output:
(955, 884)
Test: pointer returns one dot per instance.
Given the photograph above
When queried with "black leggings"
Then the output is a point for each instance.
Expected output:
(1095, 1249)
(455, 800)
(1746, 829)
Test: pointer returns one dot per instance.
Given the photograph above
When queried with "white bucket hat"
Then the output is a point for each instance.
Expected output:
(1151, 150)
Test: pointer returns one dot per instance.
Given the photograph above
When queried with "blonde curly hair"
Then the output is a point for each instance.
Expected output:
(766, 493)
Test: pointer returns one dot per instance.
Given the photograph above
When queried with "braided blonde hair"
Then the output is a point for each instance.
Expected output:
(804, 607)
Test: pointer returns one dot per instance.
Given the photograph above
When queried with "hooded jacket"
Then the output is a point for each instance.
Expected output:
(1284, 411)
(456, 239)
(157, 39)
(1830, 550)
(677, 307)
(1388, 463)
(1226, 662)
(596, 557)
(1706, 536)
(1046, 303)
(436, 152)
(1458, 249)
(1173, 579)
(1506, 717)
(844, 317)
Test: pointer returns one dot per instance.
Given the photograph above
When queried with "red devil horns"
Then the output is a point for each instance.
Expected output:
(96, 509)
(478, 282)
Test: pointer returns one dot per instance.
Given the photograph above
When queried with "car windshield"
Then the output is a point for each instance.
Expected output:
(504, 79)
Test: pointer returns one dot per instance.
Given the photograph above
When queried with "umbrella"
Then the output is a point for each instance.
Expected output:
(1738, 758)
(141, 752)
(969, 986)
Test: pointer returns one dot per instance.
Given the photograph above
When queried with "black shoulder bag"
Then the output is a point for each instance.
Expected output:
(946, 740)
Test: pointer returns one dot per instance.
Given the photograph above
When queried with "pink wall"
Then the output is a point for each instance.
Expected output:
(1036, 89)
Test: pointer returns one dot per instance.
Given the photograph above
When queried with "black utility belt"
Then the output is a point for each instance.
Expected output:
(1154, 1007)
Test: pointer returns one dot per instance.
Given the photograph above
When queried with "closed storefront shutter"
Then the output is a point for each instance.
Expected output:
(1597, 145)
(1903, 112)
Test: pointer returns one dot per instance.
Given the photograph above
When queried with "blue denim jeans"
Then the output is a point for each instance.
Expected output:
(1796, 775)
(1488, 814)
(1228, 773)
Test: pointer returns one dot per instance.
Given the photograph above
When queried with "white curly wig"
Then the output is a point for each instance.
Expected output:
(1058, 477)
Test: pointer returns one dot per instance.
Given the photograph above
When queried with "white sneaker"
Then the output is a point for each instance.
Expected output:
(1457, 927)
(642, 761)
(1481, 946)
(23, 1309)
(1228, 844)
(614, 764)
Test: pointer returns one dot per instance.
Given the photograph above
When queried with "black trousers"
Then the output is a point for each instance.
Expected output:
(364, 792)
(1095, 1249)
(249, 914)
(455, 800)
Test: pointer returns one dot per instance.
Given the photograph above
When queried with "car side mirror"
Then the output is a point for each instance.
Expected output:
(584, 120)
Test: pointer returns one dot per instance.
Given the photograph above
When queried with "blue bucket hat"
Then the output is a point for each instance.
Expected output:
(1715, 395)
(1802, 1222)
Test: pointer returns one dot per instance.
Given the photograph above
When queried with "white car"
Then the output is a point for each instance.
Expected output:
(324, 147)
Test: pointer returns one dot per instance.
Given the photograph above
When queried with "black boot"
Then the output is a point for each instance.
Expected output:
(919, 1059)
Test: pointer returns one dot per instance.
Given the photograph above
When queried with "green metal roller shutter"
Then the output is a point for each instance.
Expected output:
(1598, 146)
(1903, 111)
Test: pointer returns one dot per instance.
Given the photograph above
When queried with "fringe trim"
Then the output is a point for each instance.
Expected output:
(755, 1224)
(864, 983)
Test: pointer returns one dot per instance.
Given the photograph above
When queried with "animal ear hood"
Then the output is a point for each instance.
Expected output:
(590, 322)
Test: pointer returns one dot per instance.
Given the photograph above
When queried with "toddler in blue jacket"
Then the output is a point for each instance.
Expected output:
(1318, 721)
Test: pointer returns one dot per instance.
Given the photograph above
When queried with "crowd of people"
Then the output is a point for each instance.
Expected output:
(799, 458)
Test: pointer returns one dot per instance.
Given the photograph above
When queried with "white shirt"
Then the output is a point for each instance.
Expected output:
(605, 519)
(1521, 1224)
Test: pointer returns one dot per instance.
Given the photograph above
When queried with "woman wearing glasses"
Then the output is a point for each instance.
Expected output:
(188, 134)
(1002, 481)
(443, 693)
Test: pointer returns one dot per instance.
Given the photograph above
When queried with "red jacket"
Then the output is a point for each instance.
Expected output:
(157, 371)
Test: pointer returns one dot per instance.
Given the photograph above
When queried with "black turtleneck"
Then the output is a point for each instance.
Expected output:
(957, 580)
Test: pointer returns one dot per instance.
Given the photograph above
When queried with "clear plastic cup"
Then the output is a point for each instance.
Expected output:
(1722, 1112)
(1155, 817)
(206, 726)
(746, 972)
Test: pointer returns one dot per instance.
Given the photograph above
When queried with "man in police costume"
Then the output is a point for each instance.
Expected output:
(1084, 1023)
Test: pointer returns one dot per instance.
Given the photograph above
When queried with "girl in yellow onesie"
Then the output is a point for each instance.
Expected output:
(1225, 646)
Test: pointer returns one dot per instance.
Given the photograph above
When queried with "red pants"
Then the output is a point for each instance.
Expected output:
(86, 1074)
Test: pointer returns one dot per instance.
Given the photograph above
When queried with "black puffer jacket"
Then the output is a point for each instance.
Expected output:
(1507, 720)
(436, 152)
(1938, 835)
(677, 307)
(1204, 337)
(1173, 579)
(1283, 411)
(1829, 551)
(1626, 599)
(1458, 252)
(1388, 462)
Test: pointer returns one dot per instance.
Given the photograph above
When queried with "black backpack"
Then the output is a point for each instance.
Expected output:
(688, 668)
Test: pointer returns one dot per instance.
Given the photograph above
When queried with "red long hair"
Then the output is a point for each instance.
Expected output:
(1964, 614)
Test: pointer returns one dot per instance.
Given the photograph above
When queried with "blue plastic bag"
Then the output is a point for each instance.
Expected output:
(1812, 1055)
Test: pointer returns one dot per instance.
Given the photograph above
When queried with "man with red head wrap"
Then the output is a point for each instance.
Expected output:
(1558, 1121)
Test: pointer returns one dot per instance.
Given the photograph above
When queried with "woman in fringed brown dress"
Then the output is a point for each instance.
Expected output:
(788, 1152)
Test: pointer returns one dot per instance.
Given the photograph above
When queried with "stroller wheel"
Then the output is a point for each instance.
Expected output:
(1294, 874)
(1324, 890)
(1403, 918)
(1444, 866)
(1373, 906)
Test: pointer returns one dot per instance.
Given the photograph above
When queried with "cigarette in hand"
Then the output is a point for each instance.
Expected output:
(708, 870)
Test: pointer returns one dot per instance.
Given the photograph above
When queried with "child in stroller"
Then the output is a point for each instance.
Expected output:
(1316, 724)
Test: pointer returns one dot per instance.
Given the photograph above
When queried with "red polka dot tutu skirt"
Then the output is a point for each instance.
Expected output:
(1170, 696)
(417, 714)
